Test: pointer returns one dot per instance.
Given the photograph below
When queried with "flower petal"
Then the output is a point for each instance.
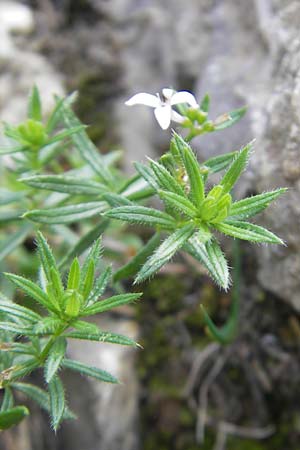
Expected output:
(178, 118)
(184, 97)
(168, 93)
(163, 116)
(144, 99)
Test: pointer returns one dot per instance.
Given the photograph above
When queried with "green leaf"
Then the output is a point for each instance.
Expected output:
(93, 257)
(12, 417)
(65, 134)
(138, 260)
(206, 255)
(179, 203)
(66, 184)
(86, 148)
(247, 231)
(85, 327)
(229, 119)
(137, 188)
(147, 174)
(109, 303)
(142, 214)
(93, 372)
(103, 336)
(31, 289)
(165, 252)
(66, 214)
(195, 178)
(15, 328)
(11, 215)
(251, 206)
(55, 358)
(34, 105)
(57, 401)
(204, 106)
(57, 112)
(19, 312)
(46, 256)
(74, 275)
(47, 325)
(8, 400)
(13, 240)
(24, 369)
(84, 242)
(115, 200)
(218, 163)
(8, 197)
(227, 333)
(40, 396)
(99, 286)
(16, 149)
(89, 280)
(236, 168)
(165, 180)
(218, 263)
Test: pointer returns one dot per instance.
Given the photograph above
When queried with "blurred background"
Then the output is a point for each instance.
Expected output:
(183, 391)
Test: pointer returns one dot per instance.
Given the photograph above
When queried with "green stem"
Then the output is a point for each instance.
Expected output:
(51, 341)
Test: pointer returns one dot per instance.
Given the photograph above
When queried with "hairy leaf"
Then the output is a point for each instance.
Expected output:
(66, 214)
(93, 372)
(55, 358)
(109, 303)
(165, 252)
(251, 206)
(248, 232)
(57, 401)
(142, 214)
(132, 267)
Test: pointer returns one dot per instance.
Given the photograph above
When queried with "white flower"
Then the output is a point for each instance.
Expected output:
(163, 103)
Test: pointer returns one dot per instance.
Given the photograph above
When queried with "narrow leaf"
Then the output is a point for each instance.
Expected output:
(165, 252)
(218, 163)
(93, 372)
(109, 303)
(55, 358)
(74, 275)
(179, 203)
(165, 180)
(34, 105)
(238, 165)
(57, 401)
(147, 174)
(132, 267)
(248, 232)
(13, 240)
(66, 184)
(8, 400)
(31, 289)
(229, 119)
(41, 397)
(251, 206)
(66, 214)
(99, 286)
(46, 256)
(142, 214)
(198, 250)
(195, 178)
(103, 336)
(20, 312)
